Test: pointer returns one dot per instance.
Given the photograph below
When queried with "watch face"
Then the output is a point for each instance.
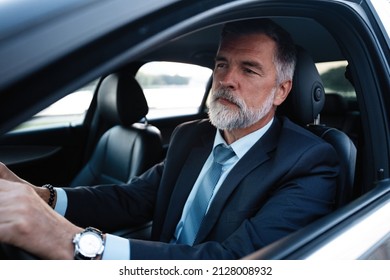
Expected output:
(90, 244)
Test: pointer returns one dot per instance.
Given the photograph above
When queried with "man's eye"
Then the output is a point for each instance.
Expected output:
(249, 71)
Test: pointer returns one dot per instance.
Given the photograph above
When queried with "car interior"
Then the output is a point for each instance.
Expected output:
(128, 147)
(116, 139)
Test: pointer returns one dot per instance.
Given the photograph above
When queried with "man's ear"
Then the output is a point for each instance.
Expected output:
(282, 92)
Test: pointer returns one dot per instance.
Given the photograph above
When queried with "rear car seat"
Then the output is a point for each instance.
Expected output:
(338, 113)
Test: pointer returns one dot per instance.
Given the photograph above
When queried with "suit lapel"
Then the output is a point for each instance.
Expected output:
(255, 157)
(185, 182)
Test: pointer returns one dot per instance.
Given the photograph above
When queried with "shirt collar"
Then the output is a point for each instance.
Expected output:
(243, 145)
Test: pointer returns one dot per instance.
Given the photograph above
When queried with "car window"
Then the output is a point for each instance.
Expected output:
(173, 89)
(71, 109)
(333, 78)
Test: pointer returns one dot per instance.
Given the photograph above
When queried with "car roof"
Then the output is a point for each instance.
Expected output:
(315, 38)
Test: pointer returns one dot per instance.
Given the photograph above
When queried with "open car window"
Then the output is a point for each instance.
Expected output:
(333, 77)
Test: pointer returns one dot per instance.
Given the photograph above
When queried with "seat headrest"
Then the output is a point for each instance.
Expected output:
(121, 99)
(307, 96)
(335, 104)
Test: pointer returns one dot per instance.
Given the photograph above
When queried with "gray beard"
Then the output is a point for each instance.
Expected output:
(224, 118)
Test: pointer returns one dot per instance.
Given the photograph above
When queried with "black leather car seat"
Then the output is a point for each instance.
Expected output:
(337, 113)
(129, 147)
(303, 106)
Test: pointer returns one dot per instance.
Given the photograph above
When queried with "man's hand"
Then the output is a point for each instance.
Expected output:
(8, 175)
(28, 222)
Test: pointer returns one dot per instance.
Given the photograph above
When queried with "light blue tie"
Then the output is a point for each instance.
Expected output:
(202, 198)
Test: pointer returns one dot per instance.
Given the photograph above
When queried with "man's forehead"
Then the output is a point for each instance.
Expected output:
(252, 44)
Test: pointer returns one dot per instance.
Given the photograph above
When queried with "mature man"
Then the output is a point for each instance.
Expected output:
(224, 190)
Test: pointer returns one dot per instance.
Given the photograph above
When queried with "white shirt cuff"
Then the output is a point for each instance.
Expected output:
(62, 201)
(116, 248)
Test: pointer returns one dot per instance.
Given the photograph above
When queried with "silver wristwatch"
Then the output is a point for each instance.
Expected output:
(88, 244)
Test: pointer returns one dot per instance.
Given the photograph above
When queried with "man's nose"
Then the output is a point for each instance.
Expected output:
(229, 79)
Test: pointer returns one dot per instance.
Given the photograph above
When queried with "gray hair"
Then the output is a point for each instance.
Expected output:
(286, 54)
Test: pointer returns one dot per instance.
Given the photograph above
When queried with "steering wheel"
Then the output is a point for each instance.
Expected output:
(10, 252)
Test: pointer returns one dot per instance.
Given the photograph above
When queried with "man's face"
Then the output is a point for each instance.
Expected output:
(244, 82)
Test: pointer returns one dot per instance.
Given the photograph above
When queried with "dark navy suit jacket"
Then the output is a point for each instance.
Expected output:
(284, 182)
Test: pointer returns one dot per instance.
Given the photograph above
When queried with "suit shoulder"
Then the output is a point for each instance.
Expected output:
(196, 123)
(191, 131)
(195, 126)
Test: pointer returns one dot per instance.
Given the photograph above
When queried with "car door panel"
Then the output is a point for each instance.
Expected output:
(46, 155)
